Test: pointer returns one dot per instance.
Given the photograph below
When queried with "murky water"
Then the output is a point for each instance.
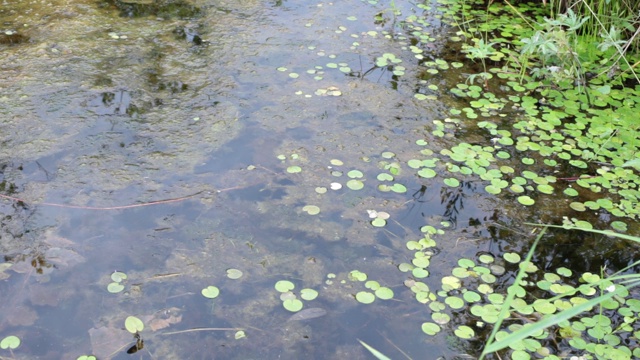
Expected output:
(102, 111)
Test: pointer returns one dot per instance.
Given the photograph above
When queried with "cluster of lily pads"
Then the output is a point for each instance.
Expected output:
(289, 299)
(116, 285)
(375, 290)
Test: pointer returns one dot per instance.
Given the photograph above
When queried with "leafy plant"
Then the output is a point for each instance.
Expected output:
(613, 291)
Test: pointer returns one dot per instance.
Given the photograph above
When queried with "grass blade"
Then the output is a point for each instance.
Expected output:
(376, 353)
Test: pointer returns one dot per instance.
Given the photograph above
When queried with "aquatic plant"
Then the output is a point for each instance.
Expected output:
(615, 313)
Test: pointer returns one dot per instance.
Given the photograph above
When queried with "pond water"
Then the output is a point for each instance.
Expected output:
(175, 142)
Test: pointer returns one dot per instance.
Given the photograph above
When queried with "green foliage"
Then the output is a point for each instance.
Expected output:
(602, 321)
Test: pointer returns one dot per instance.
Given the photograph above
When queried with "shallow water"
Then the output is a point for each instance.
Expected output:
(101, 112)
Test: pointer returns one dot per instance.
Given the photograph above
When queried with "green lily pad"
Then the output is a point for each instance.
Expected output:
(355, 174)
(210, 292)
(311, 209)
(133, 324)
(525, 200)
(427, 173)
(464, 332)
(365, 297)
(234, 274)
(115, 287)
(354, 184)
(378, 222)
(86, 357)
(430, 328)
(293, 305)
(240, 334)
(399, 188)
(294, 169)
(308, 294)
(512, 257)
(372, 285)
(384, 293)
(118, 276)
(10, 342)
(452, 182)
(356, 275)
(284, 285)
(384, 177)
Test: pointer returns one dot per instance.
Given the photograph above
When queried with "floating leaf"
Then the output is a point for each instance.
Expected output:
(619, 226)
(311, 209)
(430, 328)
(464, 332)
(570, 192)
(399, 188)
(453, 182)
(512, 257)
(294, 169)
(118, 276)
(234, 274)
(115, 287)
(210, 292)
(577, 206)
(384, 293)
(525, 200)
(427, 173)
(355, 174)
(354, 184)
(133, 324)
(240, 334)
(308, 294)
(365, 297)
(284, 285)
(10, 342)
(293, 305)
(378, 222)
(356, 275)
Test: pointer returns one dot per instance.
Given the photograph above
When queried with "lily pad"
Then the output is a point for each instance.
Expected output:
(294, 169)
(133, 324)
(354, 184)
(525, 200)
(284, 285)
(115, 287)
(427, 173)
(10, 342)
(210, 292)
(384, 293)
(365, 297)
(430, 328)
(378, 222)
(234, 274)
(464, 332)
(355, 174)
(308, 294)
(293, 305)
(452, 182)
(311, 209)
(118, 276)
